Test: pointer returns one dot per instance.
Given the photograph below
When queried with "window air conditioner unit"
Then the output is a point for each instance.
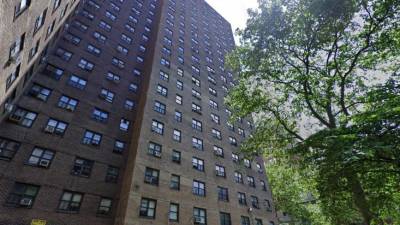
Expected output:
(44, 163)
(197, 220)
(49, 129)
(25, 202)
(15, 118)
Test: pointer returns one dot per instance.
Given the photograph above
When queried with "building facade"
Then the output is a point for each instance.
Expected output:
(124, 123)
(27, 29)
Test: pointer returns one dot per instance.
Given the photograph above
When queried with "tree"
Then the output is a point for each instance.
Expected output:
(313, 73)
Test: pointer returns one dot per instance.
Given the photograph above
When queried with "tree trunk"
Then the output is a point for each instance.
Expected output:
(359, 198)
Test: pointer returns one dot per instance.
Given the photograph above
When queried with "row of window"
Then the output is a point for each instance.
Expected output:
(198, 164)
(54, 126)
(23, 195)
(148, 210)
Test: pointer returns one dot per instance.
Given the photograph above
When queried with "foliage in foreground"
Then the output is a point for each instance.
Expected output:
(321, 79)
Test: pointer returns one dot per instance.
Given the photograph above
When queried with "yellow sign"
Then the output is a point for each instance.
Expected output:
(38, 222)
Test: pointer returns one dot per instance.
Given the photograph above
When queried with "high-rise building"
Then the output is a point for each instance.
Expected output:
(124, 123)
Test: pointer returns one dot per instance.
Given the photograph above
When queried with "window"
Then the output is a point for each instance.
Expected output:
(113, 77)
(91, 138)
(218, 151)
(63, 54)
(93, 50)
(85, 65)
(247, 163)
(180, 72)
(8, 148)
(250, 181)
(198, 164)
(105, 26)
(55, 127)
(151, 176)
(241, 132)
(99, 37)
(259, 167)
(21, 7)
(199, 216)
(213, 104)
(177, 135)
(176, 156)
(259, 222)
(39, 92)
(199, 188)
(53, 71)
(238, 177)
(82, 167)
(88, 15)
(100, 115)
(165, 62)
(178, 99)
(77, 82)
(220, 171)
(133, 87)
(175, 182)
(244, 220)
(179, 85)
(80, 26)
(110, 15)
(212, 91)
(254, 202)
(196, 94)
(119, 146)
(22, 195)
(263, 185)
(268, 205)
(232, 141)
(107, 95)
(17, 47)
(197, 143)
(124, 124)
(154, 149)
(126, 39)
(164, 76)
(159, 107)
(67, 103)
(157, 127)
(148, 208)
(70, 201)
(12, 77)
(196, 82)
(137, 72)
(235, 157)
(39, 21)
(225, 218)
(50, 28)
(242, 198)
(23, 117)
(162, 90)
(223, 194)
(178, 116)
(216, 134)
(118, 63)
(104, 206)
(112, 174)
(197, 125)
(166, 51)
(173, 214)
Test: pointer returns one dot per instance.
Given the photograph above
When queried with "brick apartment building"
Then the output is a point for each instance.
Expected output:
(122, 121)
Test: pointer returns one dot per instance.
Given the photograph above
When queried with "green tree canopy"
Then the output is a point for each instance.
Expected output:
(321, 79)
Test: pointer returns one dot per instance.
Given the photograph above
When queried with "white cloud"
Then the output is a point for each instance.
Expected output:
(235, 11)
